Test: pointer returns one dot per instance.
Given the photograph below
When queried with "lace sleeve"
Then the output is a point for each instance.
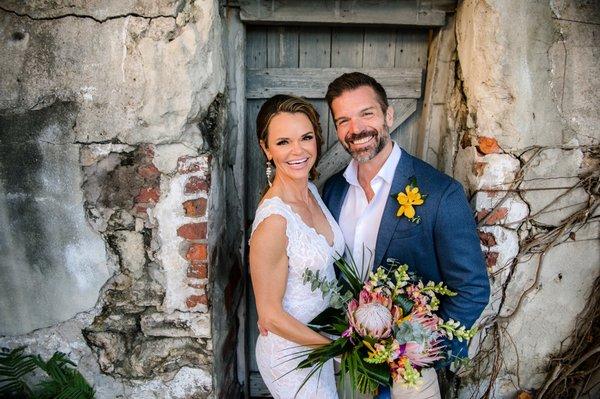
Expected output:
(269, 207)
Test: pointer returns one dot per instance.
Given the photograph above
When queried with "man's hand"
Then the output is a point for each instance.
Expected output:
(263, 331)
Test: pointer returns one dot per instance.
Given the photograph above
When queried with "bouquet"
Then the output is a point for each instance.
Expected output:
(387, 327)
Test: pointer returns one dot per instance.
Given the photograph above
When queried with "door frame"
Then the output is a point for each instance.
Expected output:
(237, 14)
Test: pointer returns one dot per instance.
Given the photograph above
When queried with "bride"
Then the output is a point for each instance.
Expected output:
(292, 231)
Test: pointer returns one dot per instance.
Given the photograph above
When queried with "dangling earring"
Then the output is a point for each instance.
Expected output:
(269, 173)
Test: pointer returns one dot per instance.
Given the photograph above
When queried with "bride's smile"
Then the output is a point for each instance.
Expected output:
(291, 145)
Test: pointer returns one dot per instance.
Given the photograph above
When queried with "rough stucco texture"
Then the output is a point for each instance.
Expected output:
(136, 78)
(52, 263)
(530, 82)
(107, 131)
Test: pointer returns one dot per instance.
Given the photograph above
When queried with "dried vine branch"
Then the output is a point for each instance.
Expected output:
(571, 372)
(581, 358)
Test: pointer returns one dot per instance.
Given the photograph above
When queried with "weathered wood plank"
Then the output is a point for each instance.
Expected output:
(315, 52)
(255, 181)
(411, 52)
(405, 135)
(411, 48)
(438, 86)
(323, 110)
(340, 12)
(379, 48)
(282, 47)
(258, 387)
(347, 47)
(312, 82)
(256, 47)
(337, 157)
(315, 47)
(255, 160)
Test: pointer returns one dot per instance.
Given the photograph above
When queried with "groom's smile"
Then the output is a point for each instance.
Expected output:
(361, 123)
(363, 145)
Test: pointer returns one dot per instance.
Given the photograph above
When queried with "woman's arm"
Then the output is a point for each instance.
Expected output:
(269, 271)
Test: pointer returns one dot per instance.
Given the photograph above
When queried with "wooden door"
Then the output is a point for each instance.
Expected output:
(302, 60)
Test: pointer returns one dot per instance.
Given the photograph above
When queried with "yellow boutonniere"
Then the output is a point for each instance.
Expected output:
(408, 200)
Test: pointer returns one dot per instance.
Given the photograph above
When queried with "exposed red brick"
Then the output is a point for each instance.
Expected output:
(148, 194)
(192, 231)
(199, 286)
(487, 239)
(148, 171)
(491, 258)
(197, 252)
(478, 168)
(195, 207)
(196, 184)
(197, 270)
(140, 209)
(148, 150)
(498, 214)
(488, 145)
(524, 395)
(195, 300)
(188, 165)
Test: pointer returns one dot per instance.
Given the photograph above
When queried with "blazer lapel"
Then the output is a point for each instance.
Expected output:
(338, 194)
(389, 220)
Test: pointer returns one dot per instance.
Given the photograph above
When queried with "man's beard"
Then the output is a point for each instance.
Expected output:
(366, 154)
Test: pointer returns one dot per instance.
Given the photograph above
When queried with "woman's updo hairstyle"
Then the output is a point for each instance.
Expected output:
(285, 103)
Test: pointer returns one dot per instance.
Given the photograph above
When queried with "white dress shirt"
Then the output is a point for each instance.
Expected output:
(360, 219)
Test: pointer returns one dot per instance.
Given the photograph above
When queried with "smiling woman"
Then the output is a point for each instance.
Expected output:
(292, 232)
(285, 121)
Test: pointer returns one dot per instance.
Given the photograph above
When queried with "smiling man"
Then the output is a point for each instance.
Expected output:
(439, 243)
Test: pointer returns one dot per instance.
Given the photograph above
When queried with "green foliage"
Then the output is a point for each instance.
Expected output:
(320, 355)
(405, 304)
(439, 288)
(413, 332)
(454, 329)
(350, 274)
(64, 381)
(337, 300)
(14, 365)
(367, 376)
(330, 321)
(378, 354)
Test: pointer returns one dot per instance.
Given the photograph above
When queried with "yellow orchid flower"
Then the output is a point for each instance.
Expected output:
(407, 200)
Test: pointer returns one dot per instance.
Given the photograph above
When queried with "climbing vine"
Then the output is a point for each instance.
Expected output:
(570, 371)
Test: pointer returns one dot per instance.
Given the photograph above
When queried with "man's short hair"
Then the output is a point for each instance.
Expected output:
(352, 81)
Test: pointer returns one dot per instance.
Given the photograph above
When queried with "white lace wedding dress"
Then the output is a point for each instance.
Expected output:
(306, 249)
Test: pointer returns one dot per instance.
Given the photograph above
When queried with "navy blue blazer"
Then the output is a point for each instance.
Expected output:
(443, 247)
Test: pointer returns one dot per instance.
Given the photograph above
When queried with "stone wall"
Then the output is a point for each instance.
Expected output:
(115, 193)
(524, 122)
(120, 173)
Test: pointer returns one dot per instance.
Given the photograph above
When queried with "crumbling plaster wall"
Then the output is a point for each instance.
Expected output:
(523, 115)
(115, 192)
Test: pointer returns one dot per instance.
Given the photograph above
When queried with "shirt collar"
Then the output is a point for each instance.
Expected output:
(386, 172)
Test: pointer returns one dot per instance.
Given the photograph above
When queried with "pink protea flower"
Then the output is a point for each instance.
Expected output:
(371, 315)
(414, 293)
(429, 321)
(419, 355)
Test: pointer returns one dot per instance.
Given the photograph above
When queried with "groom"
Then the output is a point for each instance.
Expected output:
(441, 244)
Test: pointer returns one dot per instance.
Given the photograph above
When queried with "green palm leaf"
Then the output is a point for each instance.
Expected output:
(14, 365)
(404, 303)
(330, 321)
(64, 382)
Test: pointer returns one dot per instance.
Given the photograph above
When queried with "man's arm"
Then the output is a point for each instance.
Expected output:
(461, 262)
